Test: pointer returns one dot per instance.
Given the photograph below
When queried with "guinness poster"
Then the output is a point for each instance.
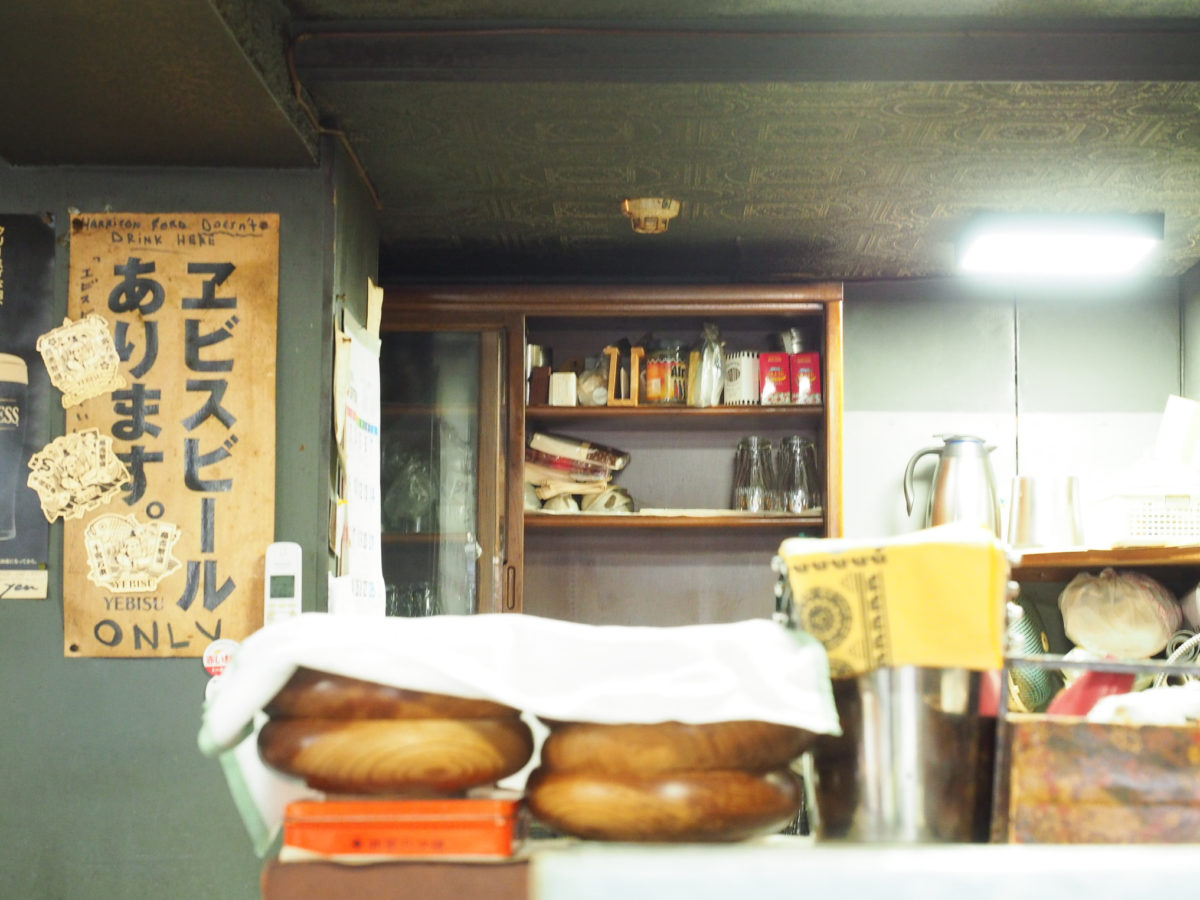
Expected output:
(26, 310)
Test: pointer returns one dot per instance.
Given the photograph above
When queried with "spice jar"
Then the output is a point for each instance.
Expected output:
(666, 375)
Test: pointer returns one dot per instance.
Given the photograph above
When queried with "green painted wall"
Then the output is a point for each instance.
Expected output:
(1189, 299)
(104, 793)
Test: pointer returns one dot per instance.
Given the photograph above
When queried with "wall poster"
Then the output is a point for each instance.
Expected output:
(26, 310)
(165, 477)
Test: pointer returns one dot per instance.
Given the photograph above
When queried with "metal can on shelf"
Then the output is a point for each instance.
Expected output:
(741, 379)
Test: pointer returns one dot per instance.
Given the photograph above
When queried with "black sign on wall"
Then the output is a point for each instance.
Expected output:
(26, 301)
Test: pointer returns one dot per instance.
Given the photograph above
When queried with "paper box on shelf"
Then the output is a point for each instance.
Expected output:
(774, 374)
(805, 374)
(1070, 781)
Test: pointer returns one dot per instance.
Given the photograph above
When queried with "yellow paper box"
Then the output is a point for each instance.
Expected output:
(932, 598)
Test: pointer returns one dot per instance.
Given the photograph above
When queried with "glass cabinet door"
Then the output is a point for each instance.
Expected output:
(442, 471)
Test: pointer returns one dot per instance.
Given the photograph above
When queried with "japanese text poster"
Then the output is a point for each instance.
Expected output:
(166, 364)
(26, 310)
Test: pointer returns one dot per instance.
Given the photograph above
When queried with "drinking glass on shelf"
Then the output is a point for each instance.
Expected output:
(754, 486)
(415, 599)
(797, 472)
(410, 500)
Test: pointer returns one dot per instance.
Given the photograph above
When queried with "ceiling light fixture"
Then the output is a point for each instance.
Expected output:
(650, 215)
(1058, 245)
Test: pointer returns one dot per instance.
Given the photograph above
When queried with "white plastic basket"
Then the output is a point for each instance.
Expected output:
(1148, 518)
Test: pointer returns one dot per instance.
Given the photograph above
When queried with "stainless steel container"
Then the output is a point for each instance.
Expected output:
(1045, 512)
(914, 763)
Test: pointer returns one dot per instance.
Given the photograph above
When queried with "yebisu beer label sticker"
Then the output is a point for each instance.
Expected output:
(82, 359)
(128, 556)
(76, 473)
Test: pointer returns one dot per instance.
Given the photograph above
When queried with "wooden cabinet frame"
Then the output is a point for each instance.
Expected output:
(511, 307)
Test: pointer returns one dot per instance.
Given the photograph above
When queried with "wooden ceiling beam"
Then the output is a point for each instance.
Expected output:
(1108, 51)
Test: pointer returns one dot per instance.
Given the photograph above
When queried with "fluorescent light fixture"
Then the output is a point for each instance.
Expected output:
(1056, 245)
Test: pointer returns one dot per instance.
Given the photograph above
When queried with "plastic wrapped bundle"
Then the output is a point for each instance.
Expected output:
(1124, 614)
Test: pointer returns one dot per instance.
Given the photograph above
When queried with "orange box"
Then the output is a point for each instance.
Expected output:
(774, 378)
(467, 827)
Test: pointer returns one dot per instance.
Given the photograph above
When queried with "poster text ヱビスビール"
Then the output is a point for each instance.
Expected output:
(174, 561)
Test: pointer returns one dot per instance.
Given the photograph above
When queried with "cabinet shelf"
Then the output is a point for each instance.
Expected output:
(677, 414)
(1134, 666)
(1061, 565)
(425, 537)
(723, 519)
(431, 410)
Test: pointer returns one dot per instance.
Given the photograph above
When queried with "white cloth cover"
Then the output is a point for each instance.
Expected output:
(547, 668)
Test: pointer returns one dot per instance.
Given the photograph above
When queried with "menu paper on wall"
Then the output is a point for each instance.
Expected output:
(359, 587)
(189, 302)
(26, 300)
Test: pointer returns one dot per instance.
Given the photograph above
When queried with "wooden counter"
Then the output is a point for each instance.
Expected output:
(396, 881)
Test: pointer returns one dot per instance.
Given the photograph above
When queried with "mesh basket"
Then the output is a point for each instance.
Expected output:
(1148, 518)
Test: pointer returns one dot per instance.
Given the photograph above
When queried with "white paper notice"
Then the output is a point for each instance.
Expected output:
(361, 560)
(23, 584)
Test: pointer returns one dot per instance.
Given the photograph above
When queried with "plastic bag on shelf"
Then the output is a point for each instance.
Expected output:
(1123, 614)
(706, 368)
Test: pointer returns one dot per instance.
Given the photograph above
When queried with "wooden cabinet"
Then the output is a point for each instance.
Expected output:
(1171, 563)
(1066, 780)
(1042, 575)
(684, 556)
(444, 442)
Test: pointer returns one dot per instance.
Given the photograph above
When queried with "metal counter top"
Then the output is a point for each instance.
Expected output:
(784, 867)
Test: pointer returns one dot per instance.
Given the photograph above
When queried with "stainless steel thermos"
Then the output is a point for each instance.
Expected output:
(964, 488)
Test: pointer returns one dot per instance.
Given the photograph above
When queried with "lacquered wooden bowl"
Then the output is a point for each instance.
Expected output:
(396, 756)
(344, 735)
(312, 694)
(668, 781)
(718, 805)
(672, 747)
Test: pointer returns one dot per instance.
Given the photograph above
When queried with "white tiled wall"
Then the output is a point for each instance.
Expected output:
(1032, 376)
(877, 448)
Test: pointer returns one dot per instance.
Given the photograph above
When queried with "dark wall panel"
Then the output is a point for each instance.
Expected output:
(104, 792)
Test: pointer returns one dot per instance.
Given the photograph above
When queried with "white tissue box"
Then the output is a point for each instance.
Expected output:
(563, 389)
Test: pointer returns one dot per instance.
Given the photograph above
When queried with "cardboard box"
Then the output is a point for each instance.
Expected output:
(774, 378)
(1071, 781)
(805, 377)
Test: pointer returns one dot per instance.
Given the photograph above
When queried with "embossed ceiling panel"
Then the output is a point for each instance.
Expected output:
(843, 139)
(797, 180)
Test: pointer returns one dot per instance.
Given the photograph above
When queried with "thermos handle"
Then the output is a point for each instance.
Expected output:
(908, 475)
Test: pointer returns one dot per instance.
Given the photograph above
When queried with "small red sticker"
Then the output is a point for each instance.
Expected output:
(218, 655)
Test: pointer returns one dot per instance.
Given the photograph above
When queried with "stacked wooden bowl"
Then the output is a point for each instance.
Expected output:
(668, 781)
(346, 736)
